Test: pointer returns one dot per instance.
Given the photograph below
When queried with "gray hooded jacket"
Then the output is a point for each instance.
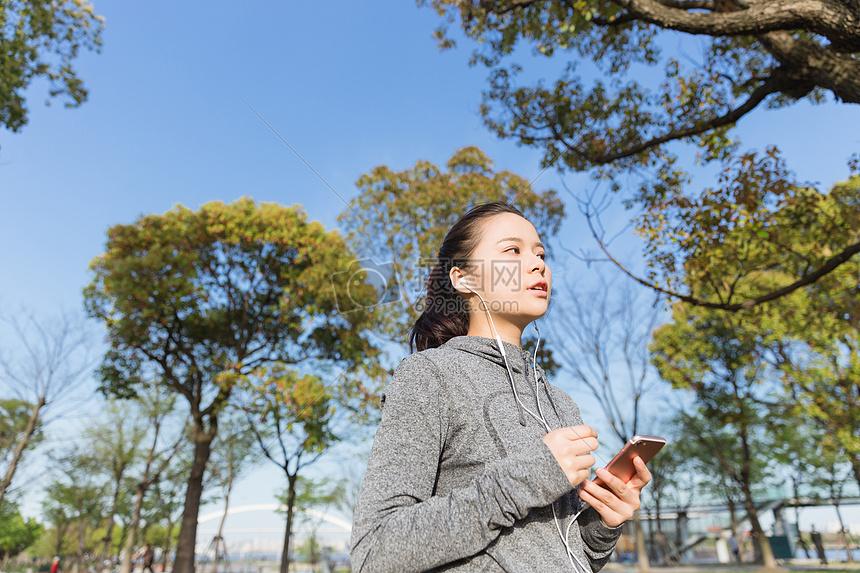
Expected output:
(455, 481)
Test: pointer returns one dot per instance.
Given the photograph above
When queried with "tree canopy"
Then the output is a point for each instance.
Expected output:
(399, 219)
(623, 101)
(719, 359)
(41, 39)
(754, 52)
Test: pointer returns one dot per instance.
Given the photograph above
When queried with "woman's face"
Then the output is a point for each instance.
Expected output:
(509, 270)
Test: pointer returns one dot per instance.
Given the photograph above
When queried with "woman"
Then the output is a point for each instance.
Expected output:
(478, 463)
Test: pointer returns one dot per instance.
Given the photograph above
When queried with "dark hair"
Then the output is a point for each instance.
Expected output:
(444, 315)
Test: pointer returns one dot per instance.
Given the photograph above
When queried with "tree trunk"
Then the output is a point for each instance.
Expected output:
(82, 546)
(652, 538)
(800, 539)
(166, 556)
(855, 468)
(219, 538)
(108, 538)
(736, 530)
(22, 444)
(679, 535)
(58, 541)
(641, 550)
(291, 500)
(768, 560)
(131, 538)
(184, 562)
(844, 534)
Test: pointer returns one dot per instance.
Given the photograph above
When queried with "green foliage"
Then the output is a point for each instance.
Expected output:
(621, 119)
(76, 500)
(14, 415)
(233, 451)
(646, 96)
(200, 302)
(40, 39)
(166, 498)
(719, 360)
(157, 535)
(754, 233)
(401, 217)
(312, 494)
(818, 361)
(16, 533)
(297, 408)
(203, 298)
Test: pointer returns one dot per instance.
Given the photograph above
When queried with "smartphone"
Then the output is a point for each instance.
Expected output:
(622, 464)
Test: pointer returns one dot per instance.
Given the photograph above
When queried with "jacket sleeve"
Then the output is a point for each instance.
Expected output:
(399, 526)
(599, 540)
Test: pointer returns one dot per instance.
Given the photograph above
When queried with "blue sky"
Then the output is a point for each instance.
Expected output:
(349, 85)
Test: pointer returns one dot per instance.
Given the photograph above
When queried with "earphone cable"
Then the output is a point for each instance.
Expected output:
(540, 418)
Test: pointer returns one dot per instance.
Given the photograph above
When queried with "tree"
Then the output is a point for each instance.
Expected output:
(16, 533)
(40, 39)
(753, 52)
(113, 446)
(156, 408)
(53, 361)
(312, 494)
(620, 121)
(818, 358)
(670, 484)
(607, 330)
(194, 300)
(833, 480)
(292, 417)
(14, 417)
(399, 219)
(81, 491)
(719, 360)
(714, 474)
(350, 485)
(55, 511)
(166, 506)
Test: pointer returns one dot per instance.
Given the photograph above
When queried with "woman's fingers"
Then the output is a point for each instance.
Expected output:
(611, 513)
(571, 447)
(642, 476)
(616, 500)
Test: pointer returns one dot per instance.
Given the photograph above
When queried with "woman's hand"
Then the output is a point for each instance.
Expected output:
(617, 501)
(571, 447)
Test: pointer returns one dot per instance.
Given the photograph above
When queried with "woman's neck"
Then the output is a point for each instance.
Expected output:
(507, 332)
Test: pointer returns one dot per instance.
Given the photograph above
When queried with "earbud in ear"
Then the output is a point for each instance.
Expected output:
(463, 284)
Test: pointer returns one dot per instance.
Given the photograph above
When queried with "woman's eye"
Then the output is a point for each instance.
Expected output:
(542, 256)
(513, 249)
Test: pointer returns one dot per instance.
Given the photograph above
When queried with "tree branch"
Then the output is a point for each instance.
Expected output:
(835, 21)
(758, 95)
(829, 265)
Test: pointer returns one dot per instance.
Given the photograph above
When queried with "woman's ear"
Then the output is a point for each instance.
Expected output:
(456, 276)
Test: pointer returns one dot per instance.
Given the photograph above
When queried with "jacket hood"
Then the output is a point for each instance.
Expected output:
(488, 348)
(518, 360)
